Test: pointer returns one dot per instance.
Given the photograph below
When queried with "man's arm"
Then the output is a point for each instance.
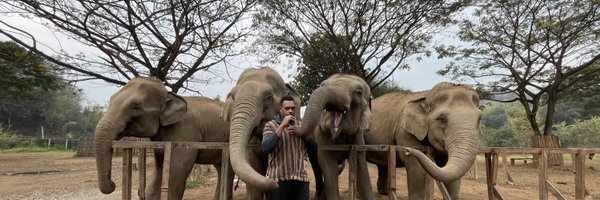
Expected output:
(270, 138)
(269, 142)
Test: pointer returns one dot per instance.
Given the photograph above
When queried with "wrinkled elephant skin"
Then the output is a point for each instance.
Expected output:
(251, 103)
(338, 113)
(143, 108)
(444, 120)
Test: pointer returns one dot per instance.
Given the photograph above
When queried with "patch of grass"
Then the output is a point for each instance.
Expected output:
(33, 149)
(191, 184)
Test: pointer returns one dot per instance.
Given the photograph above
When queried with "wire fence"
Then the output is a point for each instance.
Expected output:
(59, 143)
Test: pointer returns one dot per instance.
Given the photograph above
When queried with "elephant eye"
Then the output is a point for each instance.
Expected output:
(442, 119)
(136, 107)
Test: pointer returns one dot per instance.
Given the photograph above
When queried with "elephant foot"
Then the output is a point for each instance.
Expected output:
(320, 196)
(382, 191)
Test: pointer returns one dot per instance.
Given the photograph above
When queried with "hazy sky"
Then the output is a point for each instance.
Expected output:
(422, 76)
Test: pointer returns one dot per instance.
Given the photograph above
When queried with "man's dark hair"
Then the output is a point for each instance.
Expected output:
(286, 98)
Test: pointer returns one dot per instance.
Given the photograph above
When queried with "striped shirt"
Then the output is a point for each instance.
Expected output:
(287, 161)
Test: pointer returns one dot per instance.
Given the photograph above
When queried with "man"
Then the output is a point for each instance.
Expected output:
(287, 154)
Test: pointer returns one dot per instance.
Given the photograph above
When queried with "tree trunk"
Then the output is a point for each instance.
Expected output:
(547, 141)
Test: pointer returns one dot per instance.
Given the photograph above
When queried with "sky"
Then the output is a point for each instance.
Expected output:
(421, 76)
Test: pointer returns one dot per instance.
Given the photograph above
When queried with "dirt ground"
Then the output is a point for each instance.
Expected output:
(62, 176)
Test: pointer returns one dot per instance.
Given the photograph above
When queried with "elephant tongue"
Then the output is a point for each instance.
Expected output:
(337, 120)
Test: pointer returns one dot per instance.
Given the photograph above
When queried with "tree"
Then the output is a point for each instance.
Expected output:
(585, 92)
(370, 38)
(324, 60)
(529, 49)
(170, 40)
(582, 134)
(22, 71)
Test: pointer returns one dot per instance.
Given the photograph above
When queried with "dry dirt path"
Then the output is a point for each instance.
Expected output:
(60, 175)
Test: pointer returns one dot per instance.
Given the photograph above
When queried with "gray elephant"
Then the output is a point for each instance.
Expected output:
(338, 113)
(143, 108)
(445, 119)
(250, 104)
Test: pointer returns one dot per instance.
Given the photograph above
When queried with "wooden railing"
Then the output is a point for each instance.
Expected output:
(491, 162)
(168, 147)
(545, 186)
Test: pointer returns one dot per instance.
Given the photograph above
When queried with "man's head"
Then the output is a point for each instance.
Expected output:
(287, 106)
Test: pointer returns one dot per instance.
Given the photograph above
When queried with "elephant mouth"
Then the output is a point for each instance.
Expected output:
(336, 123)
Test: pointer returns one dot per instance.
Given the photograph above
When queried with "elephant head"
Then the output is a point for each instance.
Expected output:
(138, 109)
(447, 117)
(346, 99)
(249, 105)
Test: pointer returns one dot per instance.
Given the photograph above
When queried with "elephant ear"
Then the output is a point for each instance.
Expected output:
(226, 113)
(289, 90)
(414, 118)
(174, 109)
(365, 123)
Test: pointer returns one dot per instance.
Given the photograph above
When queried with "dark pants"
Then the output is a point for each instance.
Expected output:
(289, 190)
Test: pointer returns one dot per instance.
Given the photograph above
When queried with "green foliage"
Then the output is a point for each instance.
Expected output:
(321, 60)
(8, 139)
(371, 39)
(35, 149)
(494, 115)
(497, 132)
(387, 87)
(325, 58)
(538, 51)
(191, 184)
(32, 96)
(581, 134)
(499, 137)
(22, 72)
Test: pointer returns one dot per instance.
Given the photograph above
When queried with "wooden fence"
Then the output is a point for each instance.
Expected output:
(545, 186)
(491, 162)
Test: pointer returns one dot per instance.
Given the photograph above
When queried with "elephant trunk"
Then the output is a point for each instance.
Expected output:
(462, 149)
(106, 131)
(241, 129)
(319, 99)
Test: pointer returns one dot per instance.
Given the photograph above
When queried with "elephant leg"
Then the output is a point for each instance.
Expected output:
(328, 163)
(453, 188)
(153, 189)
(228, 182)
(416, 178)
(364, 181)
(259, 163)
(182, 163)
(382, 182)
(311, 150)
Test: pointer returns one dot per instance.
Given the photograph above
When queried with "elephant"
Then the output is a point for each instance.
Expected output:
(338, 112)
(250, 104)
(143, 108)
(445, 121)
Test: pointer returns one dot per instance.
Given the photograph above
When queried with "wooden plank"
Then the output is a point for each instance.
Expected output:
(392, 174)
(554, 191)
(494, 169)
(168, 151)
(443, 190)
(142, 173)
(224, 172)
(429, 181)
(488, 175)
(475, 170)
(508, 150)
(543, 175)
(580, 174)
(497, 193)
(505, 168)
(352, 173)
(127, 174)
